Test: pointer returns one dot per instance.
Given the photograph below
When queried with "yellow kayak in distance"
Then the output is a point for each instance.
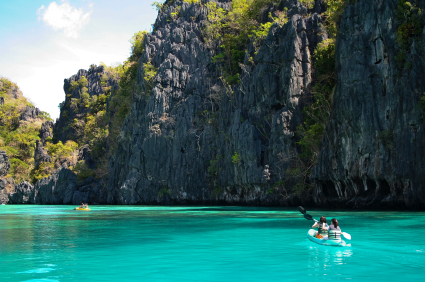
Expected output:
(82, 209)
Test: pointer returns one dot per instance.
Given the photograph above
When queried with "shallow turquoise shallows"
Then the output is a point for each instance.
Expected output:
(121, 243)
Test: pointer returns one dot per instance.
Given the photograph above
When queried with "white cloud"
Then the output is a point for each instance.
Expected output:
(64, 17)
(40, 11)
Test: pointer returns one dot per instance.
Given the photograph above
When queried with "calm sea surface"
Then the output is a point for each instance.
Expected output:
(121, 243)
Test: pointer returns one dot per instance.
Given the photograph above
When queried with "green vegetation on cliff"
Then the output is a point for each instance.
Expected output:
(18, 135)
(59, 153)
(334, 11)
(234, 29)
(411, 22)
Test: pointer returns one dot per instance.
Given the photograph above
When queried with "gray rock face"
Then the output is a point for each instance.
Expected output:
(61, 187)
(4, 164)
(7, 186)
(40, 154)
(29, 113)
(23, 193)
(56, 189)
(46, 131)
(178, 142)
(90, 191)
(373, 156)
(84, 154)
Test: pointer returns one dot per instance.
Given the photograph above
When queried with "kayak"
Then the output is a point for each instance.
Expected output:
(311, 235)
(82, 209)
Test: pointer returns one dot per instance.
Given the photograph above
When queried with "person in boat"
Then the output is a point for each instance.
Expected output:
(334, 232)
(82, 206)
(322, 228)
(86, 206)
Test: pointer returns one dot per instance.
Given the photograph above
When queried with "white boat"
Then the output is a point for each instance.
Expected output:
(311, 235)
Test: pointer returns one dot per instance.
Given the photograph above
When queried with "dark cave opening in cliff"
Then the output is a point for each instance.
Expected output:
(384, 188)
(329, 190)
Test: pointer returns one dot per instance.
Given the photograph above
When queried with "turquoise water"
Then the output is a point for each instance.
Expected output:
(121, 243)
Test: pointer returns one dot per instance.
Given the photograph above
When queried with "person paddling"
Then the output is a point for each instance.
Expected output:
(334, 232)
(322, 228)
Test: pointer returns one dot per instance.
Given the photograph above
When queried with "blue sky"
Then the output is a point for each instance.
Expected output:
(44, 42)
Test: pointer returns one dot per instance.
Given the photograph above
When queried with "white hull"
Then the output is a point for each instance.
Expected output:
(311, 235)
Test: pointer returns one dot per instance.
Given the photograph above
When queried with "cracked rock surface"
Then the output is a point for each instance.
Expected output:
(177, 144)
(373, 155)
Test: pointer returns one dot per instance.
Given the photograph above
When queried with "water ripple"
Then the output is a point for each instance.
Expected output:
(38, 270)
(41, 280)
(126, 243)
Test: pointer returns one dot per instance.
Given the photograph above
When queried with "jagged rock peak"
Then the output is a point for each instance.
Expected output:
(29, 113)
(46, 131)
(93, 79)
(78, 93)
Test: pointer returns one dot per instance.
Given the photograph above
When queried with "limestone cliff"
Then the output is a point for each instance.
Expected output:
(373, 152)
(192, 138)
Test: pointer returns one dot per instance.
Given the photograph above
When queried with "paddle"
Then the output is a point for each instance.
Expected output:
(346, 236)
(309, 217)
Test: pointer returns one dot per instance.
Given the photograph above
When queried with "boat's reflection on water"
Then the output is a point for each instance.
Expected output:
(323, 257)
